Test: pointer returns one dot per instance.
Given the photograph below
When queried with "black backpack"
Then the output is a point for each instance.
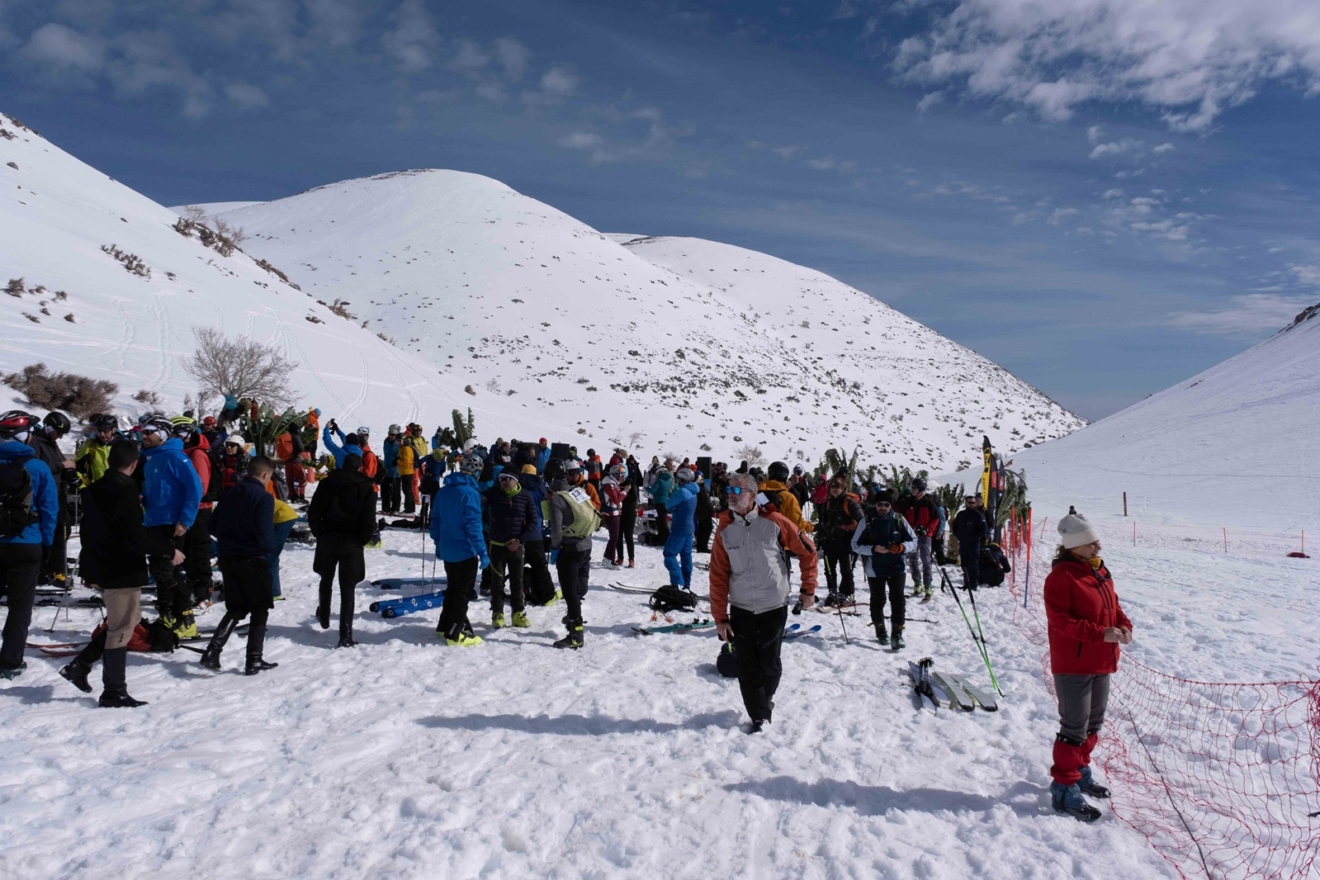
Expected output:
(17, 510)
(672, 598)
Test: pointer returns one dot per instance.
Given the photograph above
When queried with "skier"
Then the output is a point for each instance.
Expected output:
(197, 540)
(413, 437)
(342, 516)
(882, 539)
(749, 588)
(44, 440)
(229, 463)
(244, 528)
(632, 484)
(113, 561)
(29, 511)
(785, 501)
(660, 489)
(92, 456)
(705, 515)
(1086, 627)
(840, 517)
(573, 519)
(612, 496)
(512, 522)
(390, 485)
(459, 544)
(682, 506)
(351, 443)
(540, 586)
(921, 513)
(970, 530)
(542, 455)
(171, 495)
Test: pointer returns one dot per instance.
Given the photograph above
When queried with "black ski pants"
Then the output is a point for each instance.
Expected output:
(390, 494)
(705, 527)
(839, 565)
(453, 613)
(970, 558)
(541, 587)
(628, 525)
(54, 559)
(757, 639)
(894, 584)
(20, 564)
(197, 561)
(505, 561)
(342, 553)
(661, 522)
(574, 567)
(172, 597)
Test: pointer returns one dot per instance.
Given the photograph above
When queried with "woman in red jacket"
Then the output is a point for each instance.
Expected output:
(1086, 627)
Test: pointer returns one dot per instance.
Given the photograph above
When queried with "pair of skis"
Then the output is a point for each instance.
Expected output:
(401, 582)
(944, 691)
(795, 631)
(70, 649)
(391, 608)
(977, 635)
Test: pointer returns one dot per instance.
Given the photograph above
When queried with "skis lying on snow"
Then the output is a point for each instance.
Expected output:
(673, 627)
(70, 649)
(919, 674)
(985, 700)
(948, 691)
(400, 583)
(795, 631)
(399, 607)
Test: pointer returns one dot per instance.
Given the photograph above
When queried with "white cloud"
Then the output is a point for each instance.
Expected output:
(411, 44)
(470, 57)
(789, 151)
(492, 91)
(1112, 194)
(1164, 148)
(1094, 133)
(1188, 59)
(1117, 148)
(829, 163)
(1308, 275)
(513, 56)
(1251, 315)
(246, 96)
(559, 81)
(927, 101)
(1060, 214)
(63, 49)
(581, 140)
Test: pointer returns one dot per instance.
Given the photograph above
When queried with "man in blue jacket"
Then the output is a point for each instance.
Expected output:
(351, 443)
(682, 506)
(171, 493)
(460, 545)
(244, 529)
(29, 508)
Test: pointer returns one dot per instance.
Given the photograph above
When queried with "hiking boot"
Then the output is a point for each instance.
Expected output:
(323, 616)
(632, 563)
(256, 664)
(756, 726)
(574, 638)
(897, 642)
(211, 658)
(76, 674)
(463, 641)
(1089, 787)
(12, 672)
(186, 626)
(1068, 799)
(497, 620)
(119, 699)
(520, 620)
(882, 635)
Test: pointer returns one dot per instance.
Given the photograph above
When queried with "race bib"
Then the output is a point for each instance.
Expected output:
(579, 496)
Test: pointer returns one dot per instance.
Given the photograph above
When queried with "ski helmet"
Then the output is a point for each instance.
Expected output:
(157, 425)
(394, 429)
(572, 466)
(363, 431)
(106, 423)
(57, 422)
(686, 475)
(471, 464)
(208, 422)
(618, 471)
(183, 426)
(918, 484)
(554, 470)
(778, 471)
(16, 422)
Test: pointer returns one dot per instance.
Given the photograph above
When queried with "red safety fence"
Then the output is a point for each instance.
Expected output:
(1223, 779)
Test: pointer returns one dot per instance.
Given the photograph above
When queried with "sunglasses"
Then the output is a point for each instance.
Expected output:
(733, 490)
(510, 478)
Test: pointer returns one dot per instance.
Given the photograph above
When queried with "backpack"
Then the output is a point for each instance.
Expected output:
(671, 598)
(17, 510)
(585, 517)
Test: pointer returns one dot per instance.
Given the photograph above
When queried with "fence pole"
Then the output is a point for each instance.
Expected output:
(1225, 539)
(1134, 533)
(1125, 504)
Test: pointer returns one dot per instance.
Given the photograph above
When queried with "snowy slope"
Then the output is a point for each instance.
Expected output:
(653, 345)
(57, 213)
(1237, 445)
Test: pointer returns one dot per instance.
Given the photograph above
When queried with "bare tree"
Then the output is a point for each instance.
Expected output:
(229, 231)
(241, 367)
(195, 213)
(750, 454)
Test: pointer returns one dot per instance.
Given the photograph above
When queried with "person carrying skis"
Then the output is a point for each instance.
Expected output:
(244, 529)
(882, 539)
(573, 520)
(1086, 627)
(29, 513)
(839, 519)
(461, 546)
(512, 523)
(682, 506)
(342, 516)
(970, 530)
(749, 587)
(920, 511)
(171, 495)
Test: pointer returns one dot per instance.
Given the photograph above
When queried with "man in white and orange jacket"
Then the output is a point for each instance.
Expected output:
(749, 589)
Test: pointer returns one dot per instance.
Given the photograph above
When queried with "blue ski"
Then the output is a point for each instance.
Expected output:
(399, 607)
(796, 632)
(400, 583)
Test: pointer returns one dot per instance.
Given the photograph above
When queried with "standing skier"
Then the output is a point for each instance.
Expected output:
(749, 591)
(839, 520)
(970, 529)
(923, 515)
(29, 510)
(1086, 627)
(612, 496)
(573, 519)
(171, 495)
(461, 546)
(682, 506)
(512, 522)
(342, 516)
(882, 539)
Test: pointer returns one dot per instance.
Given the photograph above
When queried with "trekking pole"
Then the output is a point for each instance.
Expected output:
(839, 608)
(980, 641)
(985, 649)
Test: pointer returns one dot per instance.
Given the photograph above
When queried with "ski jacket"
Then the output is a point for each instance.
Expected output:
(682, 507)
(115, 544)
(970, 529)
(786, 503)
(407, 460)
(749, 564)
(199, 453)
(456, 521)
(48, 451)
(591, 493)
(922, 514)
(45, 499)
(839, 517)
(511, 516)
(391, 460)
(433, 470)
(534, 486)
(171, 489)
(661, 487)
(225, 471)
(611, 497)
(884, 531)
(1080, 603)
(542, 457)
(244, 523)
(335, 449)
(344, 506)
(419, 446)
(994, 565)
(92, 460)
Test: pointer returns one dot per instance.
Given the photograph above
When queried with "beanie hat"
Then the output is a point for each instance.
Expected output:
(882, 495)
(529, 469)
(1075, 531)
(352, 440)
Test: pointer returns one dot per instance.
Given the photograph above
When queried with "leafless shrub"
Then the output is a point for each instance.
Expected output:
(132, 262)
(69, 318)
(31, 317)
(16, 287)
(61, 295)
(195, 213)
(340, 308)
(272, 270)
(241, 367)
(750, 454)
(68, 392)
(314, 319)
(150, 398)
(185, 227)
(227, 230)
(470, 390)
(493, 386)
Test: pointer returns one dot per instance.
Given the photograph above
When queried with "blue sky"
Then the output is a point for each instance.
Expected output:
(1102, 196)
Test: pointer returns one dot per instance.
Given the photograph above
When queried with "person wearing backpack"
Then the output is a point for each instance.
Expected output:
(342, 516)
(682, 506)
(922, 513)
(540, 585)
(512, 523)
(969, 527)
(406, 465)
(288, 451)
(44, 440)
(660, 489)
(171, 496)
(197, 541)
(573, 520)
(839, 520)
(115, 546)
(29, 512)
(461, 546)
(883, 538)
(389, 484)
(611, 510)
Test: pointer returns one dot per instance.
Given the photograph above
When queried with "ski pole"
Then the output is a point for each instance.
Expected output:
(985, 649)
(980, 641)
(839, 608)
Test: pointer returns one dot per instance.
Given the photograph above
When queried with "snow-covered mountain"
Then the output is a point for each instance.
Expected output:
(1237, 445)
(664, 343)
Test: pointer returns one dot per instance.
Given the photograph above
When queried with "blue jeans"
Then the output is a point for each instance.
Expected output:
(281, 535)
(678, 559)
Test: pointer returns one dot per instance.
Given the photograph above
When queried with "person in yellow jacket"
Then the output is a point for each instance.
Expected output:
(285, 517)
(407, 464)
(785, 502)
(93, 456)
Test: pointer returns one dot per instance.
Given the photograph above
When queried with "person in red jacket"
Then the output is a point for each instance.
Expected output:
(197, 540)
(1086, 626)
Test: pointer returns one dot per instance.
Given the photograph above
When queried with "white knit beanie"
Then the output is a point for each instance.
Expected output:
(1075, 531)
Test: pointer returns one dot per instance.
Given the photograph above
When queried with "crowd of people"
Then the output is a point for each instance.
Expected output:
(157, 500)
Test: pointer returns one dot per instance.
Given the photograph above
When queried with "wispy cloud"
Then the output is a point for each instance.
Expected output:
(413, 40)
(1249, 316)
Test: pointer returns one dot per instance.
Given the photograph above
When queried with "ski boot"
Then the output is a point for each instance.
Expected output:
(463, 641)
(76, 674)
(882, 635)
(497, 620)
(831, 600)
(897, 642)
(1089, 787)
(520, 620)
(186, 626)
(9, 673)
(756, 726)
(574, 638)
(926, 594)
(1068, 799)
(119, 699)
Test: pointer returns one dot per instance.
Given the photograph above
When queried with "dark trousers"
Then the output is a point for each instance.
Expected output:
(389, 495)
(839, 565)
(614, 546)
(20, 564)
(971, 567)
(894, 584)
(661, 522)
(344, 553)
(197, 564)
(756, 641)
(541, 588)
(705, 527)
(1083, 700)
(54, 559)
(628, 525)
(503, 560)
(574, 567)
(409, 486)
(453, 614)
(172, 596)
